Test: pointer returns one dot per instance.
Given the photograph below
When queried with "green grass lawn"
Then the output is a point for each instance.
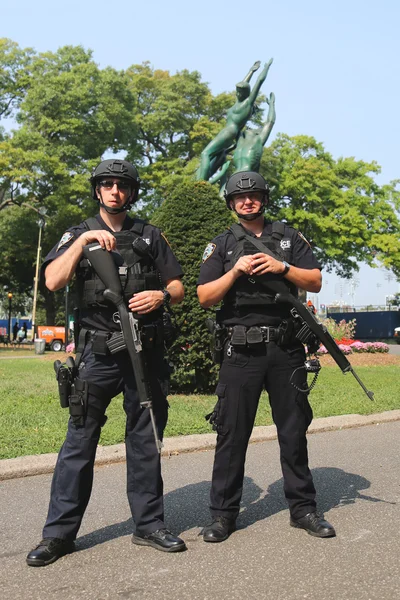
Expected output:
(32, 422)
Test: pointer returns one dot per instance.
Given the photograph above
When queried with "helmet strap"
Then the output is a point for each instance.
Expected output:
(253, 216)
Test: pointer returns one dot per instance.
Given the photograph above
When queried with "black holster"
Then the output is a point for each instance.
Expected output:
(296, 330)
(220, 335)
(170, 329)
(64, 380)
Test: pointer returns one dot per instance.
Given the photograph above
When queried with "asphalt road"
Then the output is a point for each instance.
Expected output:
(356, 474)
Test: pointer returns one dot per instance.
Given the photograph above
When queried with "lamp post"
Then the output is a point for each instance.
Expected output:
(9, 314)
(41, 223)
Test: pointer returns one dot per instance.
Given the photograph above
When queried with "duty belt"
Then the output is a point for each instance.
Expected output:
(239, 335)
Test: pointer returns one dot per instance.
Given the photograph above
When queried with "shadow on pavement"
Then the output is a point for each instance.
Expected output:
(187, 507)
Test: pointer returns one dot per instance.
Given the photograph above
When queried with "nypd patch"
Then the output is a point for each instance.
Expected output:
(66, 237)
(208, 252)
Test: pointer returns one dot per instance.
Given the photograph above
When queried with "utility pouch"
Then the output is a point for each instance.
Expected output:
(99, 342)
(170, 329)
(254, 335)
(308, 338)
(78, 401)
(148, 335)
(239, 337)
(286, 333)
(116, 342)
(64, 380)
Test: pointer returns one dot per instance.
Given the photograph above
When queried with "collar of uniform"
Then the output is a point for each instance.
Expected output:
(126, 225)
(266, 230)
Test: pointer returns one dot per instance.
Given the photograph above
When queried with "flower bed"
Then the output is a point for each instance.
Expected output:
(355, 346)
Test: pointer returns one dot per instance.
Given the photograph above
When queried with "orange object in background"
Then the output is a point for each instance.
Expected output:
(54, 336)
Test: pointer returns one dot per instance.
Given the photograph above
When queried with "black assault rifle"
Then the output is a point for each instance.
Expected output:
(105, 267)
(310, 329)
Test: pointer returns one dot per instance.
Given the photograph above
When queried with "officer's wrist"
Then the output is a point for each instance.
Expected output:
(166, 297)
(286, 267)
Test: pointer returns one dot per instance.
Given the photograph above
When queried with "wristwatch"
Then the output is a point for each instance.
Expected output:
(167, 297)
(287, 267)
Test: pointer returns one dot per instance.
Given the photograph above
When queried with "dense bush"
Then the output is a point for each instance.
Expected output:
(190, 216)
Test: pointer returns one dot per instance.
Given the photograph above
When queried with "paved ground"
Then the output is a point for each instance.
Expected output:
(356, 474)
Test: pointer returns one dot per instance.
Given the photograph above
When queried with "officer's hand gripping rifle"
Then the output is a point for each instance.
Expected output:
(105, 267)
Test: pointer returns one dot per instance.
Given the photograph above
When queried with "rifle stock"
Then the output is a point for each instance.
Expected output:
(105, 267)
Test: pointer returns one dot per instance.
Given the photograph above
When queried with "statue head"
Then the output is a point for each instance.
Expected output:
(243, 90)
(109, 170)
(247, 182)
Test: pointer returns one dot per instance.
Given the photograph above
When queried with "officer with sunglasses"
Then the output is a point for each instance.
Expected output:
(260, 351)
(151, 280)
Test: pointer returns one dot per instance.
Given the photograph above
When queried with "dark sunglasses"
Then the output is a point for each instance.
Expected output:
(108, 184)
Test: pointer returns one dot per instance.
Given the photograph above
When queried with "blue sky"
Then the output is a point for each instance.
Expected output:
(335, 72)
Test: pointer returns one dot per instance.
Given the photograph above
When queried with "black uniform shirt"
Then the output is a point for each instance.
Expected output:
(217, 262)
(164, 259)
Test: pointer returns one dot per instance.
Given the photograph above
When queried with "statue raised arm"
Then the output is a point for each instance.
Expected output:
(249, 147)
(236, 118)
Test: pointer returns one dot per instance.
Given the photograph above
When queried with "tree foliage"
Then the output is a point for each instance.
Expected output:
(191, 215)
(175, 116)
(336, 204)
(68, 113)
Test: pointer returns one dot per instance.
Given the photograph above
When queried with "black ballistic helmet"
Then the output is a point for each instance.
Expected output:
(246, 181)
(121, 169)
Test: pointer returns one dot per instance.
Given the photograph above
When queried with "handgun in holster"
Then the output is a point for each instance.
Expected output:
(220, 334)
(73, 391)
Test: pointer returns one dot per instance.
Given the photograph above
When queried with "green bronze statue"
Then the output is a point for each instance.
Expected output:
(249, 147)
(214, 155)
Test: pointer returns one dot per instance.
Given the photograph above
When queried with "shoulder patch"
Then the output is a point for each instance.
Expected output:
(65, 238)
(285, 244)
(208, 251)
(165, 239)
(304, 239)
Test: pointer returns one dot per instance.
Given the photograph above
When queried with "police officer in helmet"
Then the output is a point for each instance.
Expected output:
(260, 351)
(150, 280)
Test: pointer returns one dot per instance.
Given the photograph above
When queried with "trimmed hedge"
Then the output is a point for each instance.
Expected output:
(190, 216)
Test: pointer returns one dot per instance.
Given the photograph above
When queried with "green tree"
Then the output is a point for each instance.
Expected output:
(175, 116)
(191, 215)
(14, 76)
(336, 204)
(70, 114)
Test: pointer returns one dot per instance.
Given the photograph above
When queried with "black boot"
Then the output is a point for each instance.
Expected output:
(48, 551)
(314, 524)
(162, 539)
(219, 530)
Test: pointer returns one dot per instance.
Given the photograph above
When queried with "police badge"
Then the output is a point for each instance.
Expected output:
(66, 237)
(208, 251)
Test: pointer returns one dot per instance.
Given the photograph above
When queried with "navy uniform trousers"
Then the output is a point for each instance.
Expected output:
(242, 377)
(73, 475)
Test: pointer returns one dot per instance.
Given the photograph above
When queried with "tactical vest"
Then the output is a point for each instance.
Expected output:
(135, 265)
(246, 291)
